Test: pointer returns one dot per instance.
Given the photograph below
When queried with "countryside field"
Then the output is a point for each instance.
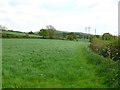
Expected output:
(45, 63)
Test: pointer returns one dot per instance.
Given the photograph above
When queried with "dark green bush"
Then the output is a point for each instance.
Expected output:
(30, 32)
(107, 36)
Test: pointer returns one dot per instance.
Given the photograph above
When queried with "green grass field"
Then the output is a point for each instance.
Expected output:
(52, 63)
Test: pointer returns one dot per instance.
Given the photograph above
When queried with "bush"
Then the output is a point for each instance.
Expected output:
(71, 36)
(30, 32)
(110, 49)
(114, 49)
(107, 36)
(97, 45)
(92, 37)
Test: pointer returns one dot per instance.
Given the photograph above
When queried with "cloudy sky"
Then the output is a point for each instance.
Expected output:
(64, 15)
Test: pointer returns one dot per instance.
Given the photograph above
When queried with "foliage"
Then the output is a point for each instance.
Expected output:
(97, 45)
(51, 31)
(30, 32)
(114, 50)
(107, 47)
(43, 33)
(58, 35)
(97, 36)
(92, 37)
(64, 34)
(107, 36)
(71, 36)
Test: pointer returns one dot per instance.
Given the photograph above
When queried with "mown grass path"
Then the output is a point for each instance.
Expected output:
(49, 63)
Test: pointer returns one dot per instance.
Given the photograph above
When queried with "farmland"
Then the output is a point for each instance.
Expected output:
(54, 63)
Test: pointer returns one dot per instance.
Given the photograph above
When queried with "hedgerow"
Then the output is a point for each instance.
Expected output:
(106, 48)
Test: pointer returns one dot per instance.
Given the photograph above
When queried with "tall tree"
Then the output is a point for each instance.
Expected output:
(51, 31)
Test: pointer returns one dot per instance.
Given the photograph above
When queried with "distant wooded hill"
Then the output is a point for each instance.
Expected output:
(57, 34)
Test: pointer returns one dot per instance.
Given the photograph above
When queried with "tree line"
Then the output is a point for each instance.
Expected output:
(51, 33)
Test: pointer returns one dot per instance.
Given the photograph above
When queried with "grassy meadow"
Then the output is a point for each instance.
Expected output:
(44, 63)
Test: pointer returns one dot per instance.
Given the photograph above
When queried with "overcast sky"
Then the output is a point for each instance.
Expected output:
(64, 15)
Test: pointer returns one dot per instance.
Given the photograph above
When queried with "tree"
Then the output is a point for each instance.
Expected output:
(30, 32)
(72, 36)
(51, 31)
(107, 36)
(65, 34)
(43, 33)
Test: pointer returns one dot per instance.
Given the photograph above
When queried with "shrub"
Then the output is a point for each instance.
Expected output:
(114, 49)
(110, 49)
(97, 45)
(107, 36)
(71, 36)
(30, 32)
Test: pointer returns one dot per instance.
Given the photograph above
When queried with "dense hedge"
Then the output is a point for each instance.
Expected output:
(106, 48)
(109, 48)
